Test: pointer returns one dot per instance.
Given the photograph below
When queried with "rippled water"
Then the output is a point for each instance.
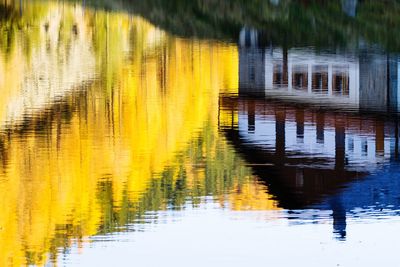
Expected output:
(128, 138)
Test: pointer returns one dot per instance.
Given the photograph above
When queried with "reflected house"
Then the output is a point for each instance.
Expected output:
(299, 75)
(314, 158)
(308, 150)
(297, 141)
(357, 81)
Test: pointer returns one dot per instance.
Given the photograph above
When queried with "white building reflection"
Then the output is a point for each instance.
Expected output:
(367, 81)
(315, 120)
(317, 127)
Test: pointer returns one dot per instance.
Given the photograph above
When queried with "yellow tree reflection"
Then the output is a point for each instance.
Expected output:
(105, 117)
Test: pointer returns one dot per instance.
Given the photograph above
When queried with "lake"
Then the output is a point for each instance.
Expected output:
(199, 133)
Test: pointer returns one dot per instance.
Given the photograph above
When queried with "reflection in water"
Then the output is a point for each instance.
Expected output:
(305, 138)
(306, 157)
(104, 118)
(107, 122)
(366, 79)
(301, 145)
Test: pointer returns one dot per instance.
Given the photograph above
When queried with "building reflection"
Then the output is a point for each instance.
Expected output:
(307, 155)
(365, 80)
(340, 143)
(313, 126)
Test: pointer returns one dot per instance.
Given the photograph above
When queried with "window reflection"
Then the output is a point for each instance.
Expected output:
(300, 77)
(280, 75)
(340, 80)
(320, 79)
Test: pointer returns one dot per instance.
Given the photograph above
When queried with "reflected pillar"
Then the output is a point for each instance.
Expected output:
(340, 137)
(280, 117)
(320, 127)
(379, 138)
(285, 67)
(251, 116)
(300, 124)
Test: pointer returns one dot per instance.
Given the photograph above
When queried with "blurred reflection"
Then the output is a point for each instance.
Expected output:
(306, 23)
(365, 79)
(333, 126)
(307, 156)
(105, 118)
(306, 138)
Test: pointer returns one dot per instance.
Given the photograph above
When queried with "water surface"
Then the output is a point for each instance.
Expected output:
(126, 138)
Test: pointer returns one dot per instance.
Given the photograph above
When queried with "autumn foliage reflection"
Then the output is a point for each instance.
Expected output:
(110, 118)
